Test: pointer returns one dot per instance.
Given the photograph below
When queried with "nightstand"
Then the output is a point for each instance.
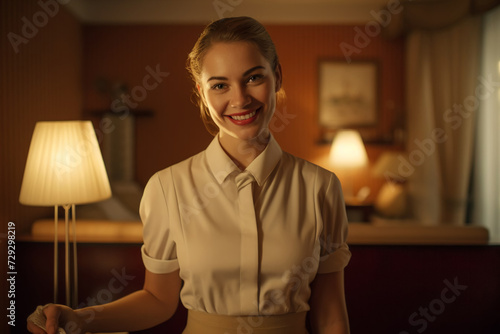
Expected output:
(359, 212)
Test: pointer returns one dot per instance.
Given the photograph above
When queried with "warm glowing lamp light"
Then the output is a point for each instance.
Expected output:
(348, 150)
(64, 167)
(347, 153)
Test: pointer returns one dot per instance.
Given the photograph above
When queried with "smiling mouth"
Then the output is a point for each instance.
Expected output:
(243, 117)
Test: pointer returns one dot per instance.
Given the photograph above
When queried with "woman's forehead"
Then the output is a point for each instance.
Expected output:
(232, 56)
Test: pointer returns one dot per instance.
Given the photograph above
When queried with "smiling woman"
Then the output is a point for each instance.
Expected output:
(217, 222)
(242, 99)
(235, 30)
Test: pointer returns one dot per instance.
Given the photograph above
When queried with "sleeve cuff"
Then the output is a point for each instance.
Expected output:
(335, 261)
(157, 266)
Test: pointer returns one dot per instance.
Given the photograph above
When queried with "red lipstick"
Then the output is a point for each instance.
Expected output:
(244, 118)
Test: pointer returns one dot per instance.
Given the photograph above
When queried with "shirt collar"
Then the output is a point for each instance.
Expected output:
(265, 162)
(222, 166)
(219, 162)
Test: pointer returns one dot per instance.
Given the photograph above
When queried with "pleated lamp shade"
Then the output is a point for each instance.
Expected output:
(64, 166)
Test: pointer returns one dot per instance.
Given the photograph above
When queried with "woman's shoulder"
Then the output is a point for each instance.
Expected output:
(309, 174)
(304, 166)
(181, 168)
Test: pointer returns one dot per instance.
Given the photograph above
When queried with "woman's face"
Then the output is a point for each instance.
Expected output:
(239, 88)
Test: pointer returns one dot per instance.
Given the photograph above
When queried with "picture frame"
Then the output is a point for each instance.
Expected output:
(347, 95)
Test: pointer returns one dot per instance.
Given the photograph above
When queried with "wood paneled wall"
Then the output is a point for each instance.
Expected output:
(40, 79)
(175, 132)
(300, 49)
(43, 82)
(129, 55)
(40, 82)
(53, 76)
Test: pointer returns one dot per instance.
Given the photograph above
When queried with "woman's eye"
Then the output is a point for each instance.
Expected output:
(254, 77)
(218, 86)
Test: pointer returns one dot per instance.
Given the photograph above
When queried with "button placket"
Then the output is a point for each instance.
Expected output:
(249, 245)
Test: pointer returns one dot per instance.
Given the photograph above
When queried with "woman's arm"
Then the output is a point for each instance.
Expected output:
(328, 313)
(145, 308)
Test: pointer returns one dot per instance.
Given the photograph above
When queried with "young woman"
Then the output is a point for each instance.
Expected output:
(256, 235)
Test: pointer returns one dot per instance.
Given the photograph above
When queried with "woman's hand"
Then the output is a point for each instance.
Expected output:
(52, 317)
(152, 305)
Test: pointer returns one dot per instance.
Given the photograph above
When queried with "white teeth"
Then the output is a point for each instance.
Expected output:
(244, 117)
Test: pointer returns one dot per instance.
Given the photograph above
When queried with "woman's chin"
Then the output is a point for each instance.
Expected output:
(257, 134)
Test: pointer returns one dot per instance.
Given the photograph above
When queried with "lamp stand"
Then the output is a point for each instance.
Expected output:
(47, 183)
(75, 263)
(71, 296)
(56, 224)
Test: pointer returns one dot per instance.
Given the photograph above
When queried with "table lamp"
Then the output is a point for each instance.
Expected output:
(347, 154)
(64, 168)
(392, 199)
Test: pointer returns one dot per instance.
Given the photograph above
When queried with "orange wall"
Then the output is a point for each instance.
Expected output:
(121, 53)
(53, 77)
(42, 81)
(300, 48)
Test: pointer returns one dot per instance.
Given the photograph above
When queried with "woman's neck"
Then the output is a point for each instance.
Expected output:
(243, 152)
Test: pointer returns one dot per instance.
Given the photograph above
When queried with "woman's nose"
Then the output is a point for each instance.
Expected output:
(240, 98)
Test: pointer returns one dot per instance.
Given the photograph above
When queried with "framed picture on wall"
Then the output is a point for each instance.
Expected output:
(347, 94)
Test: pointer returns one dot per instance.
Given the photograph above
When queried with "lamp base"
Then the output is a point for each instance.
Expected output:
(392, 201)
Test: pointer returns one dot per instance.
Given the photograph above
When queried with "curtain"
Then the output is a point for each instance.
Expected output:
(487, 168)
(423, 181)
(442, 70)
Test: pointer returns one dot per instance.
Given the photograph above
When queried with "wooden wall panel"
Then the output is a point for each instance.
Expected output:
(41, 81)
(53, 77)
(124, 54)
(121, 53)
(300, 49)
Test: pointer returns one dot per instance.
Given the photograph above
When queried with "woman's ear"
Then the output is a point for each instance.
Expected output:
(279, 77)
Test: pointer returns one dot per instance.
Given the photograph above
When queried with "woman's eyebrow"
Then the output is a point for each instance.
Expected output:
(253, 69)
(244, 74)
(216, 78)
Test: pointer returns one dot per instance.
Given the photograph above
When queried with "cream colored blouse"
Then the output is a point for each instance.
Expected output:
(246, 243)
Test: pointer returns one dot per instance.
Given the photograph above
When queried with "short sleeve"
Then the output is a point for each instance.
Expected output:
(334, 253)
(159, 251)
